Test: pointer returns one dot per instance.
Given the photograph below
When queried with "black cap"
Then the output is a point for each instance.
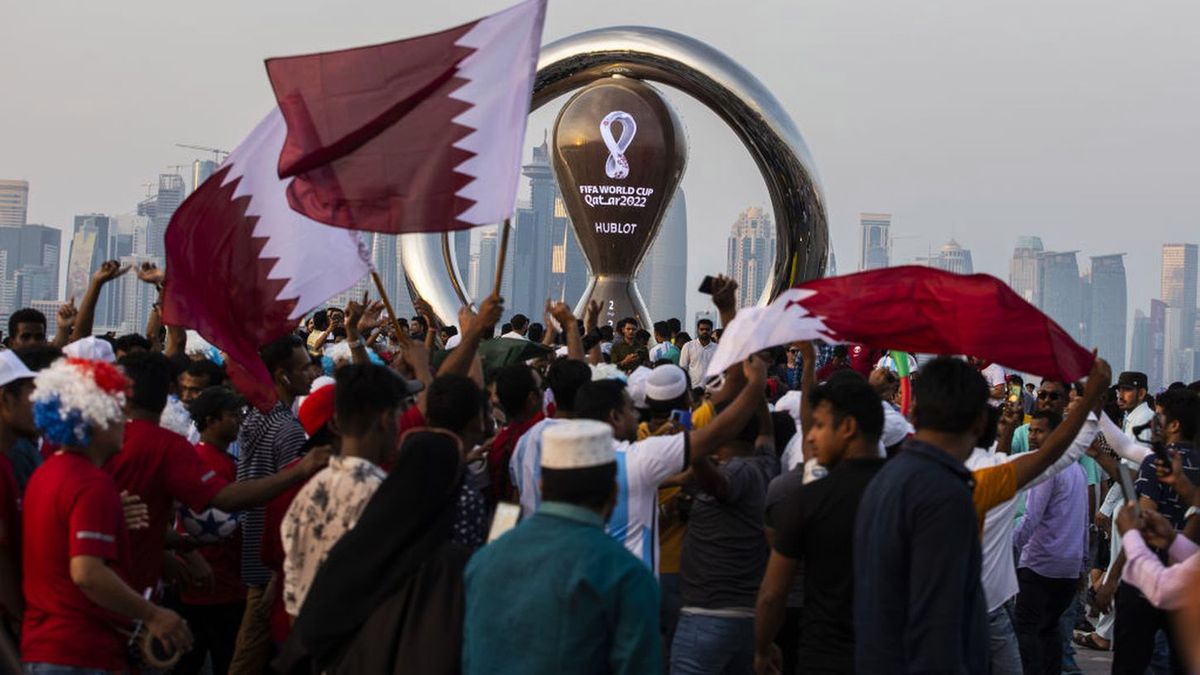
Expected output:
(1131, 380)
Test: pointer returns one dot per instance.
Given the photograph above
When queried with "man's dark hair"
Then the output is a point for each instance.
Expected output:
(514, 383)
(785, 428)
(321, 320)
(420, 320)
(362, 393)
(505, 328)
(206, 368)
(536, 332)
(840, 351)
(1052, 418)
(674, 326)
(628, 320)
(213, 401)
(683, 338)
(598, 399)
(519, 322)
(1183, 406)
(950, 395)
(448, 332)
(24, 315)
(452, 402)
(1016, 379)
(276, 354)
(703, 322)
(661, 329)
(590, 487)
(850, 395)
(151, 375)
(127, 343)
(606, 332)
(564, 378)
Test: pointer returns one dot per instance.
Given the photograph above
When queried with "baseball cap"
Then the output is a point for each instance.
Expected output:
(1131, 379)
(12, 368)
(91, 348)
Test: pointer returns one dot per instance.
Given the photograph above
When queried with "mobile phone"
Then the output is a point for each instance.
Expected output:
(503, 520)
(1014, 393)
(707, 284)
(683, 418)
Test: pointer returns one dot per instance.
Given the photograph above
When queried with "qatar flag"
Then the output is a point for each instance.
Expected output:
(912, 309)
(419, 135)
(243, 267)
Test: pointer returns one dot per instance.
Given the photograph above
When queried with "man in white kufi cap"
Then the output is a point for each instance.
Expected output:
(558, 571)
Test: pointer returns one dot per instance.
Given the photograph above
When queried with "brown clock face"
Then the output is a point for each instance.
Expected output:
(619, 153)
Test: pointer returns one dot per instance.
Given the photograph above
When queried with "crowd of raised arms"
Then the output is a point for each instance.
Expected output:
(568, 497)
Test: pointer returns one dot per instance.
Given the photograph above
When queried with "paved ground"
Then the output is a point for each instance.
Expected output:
(1093, 662)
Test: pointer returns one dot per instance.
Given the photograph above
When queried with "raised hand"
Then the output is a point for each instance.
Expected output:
(562, 314)
(108, 271)
(355, 310)
(67, 313)
(151, 274)
(724, 293)
(137, 514)
(755, 370)
(316, 459)
(490, 311)
(1156, 530)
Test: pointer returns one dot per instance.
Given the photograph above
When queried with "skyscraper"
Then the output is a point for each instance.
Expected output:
(1106, 321)
(1158, 331)
(532, 242)
(1139, 350)
(1173, 350)
(951, 258)
(1061, 291)
(201, 170)
(386, 257)
(750, 254)
(159, 209)
(14, 201)
(875, 251)
(89, 248)
(28, 266)
(1179, 287)
(662, 279)
(485, 271)
(1024, 271)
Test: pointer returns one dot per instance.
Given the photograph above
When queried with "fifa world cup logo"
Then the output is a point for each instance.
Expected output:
(616, 189)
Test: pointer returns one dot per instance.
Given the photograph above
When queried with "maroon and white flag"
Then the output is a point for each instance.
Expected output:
(243, 267)
(419, 135)
(913, 309)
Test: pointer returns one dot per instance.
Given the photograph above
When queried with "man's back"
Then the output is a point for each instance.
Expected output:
(918, 603)
(558, 595)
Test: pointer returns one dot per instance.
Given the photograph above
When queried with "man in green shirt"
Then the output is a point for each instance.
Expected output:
(556, 594)
(628, 354)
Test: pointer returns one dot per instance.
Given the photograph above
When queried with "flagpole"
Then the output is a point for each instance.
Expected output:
(387, 304)
(504, 228)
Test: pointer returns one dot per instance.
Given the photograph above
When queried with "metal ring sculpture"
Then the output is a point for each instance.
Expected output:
(712, 78)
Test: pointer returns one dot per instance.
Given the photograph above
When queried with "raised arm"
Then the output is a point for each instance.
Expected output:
(459, 360)
(570, 327)
(1029, 465)
(1124, 446)
(87, 307)
(725, 427)
(808, 384)
(67, 313)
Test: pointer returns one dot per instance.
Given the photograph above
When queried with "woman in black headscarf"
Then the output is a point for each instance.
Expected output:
(389, 598)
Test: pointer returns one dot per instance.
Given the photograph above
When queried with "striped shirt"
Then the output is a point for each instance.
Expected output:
(641, 468)
(268, 443)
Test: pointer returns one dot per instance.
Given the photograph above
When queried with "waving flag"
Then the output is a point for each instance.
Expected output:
(243, 267)
(913, 309)
(420, 135)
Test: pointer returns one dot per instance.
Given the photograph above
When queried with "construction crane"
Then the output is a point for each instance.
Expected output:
(217, 152)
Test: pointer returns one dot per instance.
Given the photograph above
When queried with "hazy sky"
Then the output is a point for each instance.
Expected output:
(1075, 120)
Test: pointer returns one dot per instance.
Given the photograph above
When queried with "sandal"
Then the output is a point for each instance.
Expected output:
(1088, 641)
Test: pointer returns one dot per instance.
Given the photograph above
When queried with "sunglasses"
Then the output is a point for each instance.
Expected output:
(1052, 395)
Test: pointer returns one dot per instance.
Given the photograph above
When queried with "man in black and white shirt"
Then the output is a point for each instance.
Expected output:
(269, 441)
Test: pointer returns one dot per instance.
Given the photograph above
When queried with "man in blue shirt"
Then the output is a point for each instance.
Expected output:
(557, 594)
(918, 602)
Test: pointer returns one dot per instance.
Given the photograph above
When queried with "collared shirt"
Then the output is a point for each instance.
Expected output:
(918, 601)
(1053, 535)
(269, 441)
(1141, 415)
(324, 510)
(694, 358)
(1165, 587)
(557, 595)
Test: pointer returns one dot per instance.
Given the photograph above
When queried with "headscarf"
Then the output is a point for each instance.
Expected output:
(407, 520)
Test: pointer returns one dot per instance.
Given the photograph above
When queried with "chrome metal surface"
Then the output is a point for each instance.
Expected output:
(709, 76)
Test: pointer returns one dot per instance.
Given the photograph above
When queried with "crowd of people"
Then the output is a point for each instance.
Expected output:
(569, 497)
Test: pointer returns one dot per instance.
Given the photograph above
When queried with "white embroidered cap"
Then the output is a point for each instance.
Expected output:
(91, 348)
(12, 368)
(577, 444)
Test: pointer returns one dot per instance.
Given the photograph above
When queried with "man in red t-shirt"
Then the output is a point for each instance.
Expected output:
(213, 606)
(161, 467)
(76, 599)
